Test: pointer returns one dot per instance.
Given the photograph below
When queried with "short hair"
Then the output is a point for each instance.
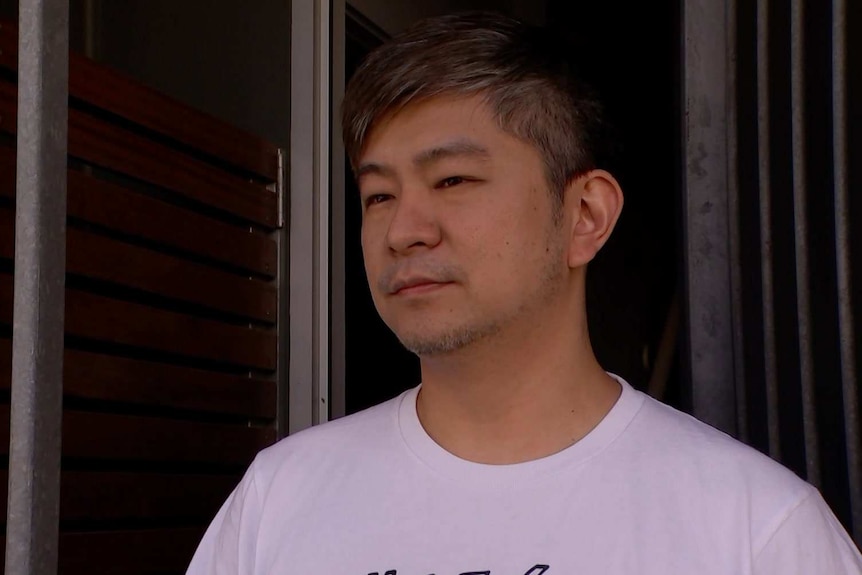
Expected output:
(525, 78)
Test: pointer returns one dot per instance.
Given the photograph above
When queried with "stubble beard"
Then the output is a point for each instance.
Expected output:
(460, 337)
(449, 341)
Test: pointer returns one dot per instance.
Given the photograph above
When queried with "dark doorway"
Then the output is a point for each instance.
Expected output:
(377, 366)
(630, 53)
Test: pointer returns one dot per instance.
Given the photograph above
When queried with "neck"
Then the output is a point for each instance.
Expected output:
(528, 392)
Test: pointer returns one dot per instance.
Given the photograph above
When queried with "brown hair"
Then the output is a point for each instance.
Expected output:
(524, 77)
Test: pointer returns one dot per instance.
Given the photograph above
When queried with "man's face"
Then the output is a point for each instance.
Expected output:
(458, 231)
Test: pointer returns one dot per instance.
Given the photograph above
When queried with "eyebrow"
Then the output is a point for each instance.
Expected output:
(455, 148)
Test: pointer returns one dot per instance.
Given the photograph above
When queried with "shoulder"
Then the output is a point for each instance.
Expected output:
(713, 474)
(809, 539)
(350, 440)
(689, 445)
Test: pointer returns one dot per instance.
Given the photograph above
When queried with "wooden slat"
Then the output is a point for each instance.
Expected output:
(111, 496)
(6, 293)
(139, 216)
(98, 257)
(7, 172)
(4, 431)
(102, 258)
(117, 149)
(104, 319)
(109, 146)
(120, 437)
(152, 496)
(95, 376)
(8, 45)
(7, 234)
(109, 437)
(146, 552)
(111, 91)
(99, 318)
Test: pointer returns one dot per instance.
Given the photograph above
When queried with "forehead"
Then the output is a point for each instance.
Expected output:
(431, 122)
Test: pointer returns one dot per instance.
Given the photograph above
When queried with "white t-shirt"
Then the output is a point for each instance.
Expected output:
(650, 491)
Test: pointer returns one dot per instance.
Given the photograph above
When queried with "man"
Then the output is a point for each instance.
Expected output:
(475, 153)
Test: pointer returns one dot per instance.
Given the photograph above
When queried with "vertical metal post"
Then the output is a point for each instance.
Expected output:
(853, 428)
(707, 232)
(322, 191)
(338, 208)
(32, 526)
(309, 213)
(800, 217)
(770, 360)
(282, 374)
(301, 227)
(734, 224)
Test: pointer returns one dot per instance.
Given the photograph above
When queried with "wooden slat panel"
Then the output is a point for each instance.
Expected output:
(7, 172)
(6, 293)
(114, 148)
(125, 152)
(95, 376)
(147, 552)
(4, 431)
(8, 45)
(105, 436)
(7, 234)
(109, 90)
(108, 496)
(119, 437)
(102, 258)
(104, 319)
(139, 216)
(115, 496)
(8, 107)
(100, 318)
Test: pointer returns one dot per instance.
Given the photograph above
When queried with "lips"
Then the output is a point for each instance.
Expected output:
(417, 276)
(415, 285)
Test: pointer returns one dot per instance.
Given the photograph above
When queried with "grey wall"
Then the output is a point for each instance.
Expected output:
(228, 58)
(394, 16)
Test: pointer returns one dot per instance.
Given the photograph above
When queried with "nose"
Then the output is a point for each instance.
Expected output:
(414, 224)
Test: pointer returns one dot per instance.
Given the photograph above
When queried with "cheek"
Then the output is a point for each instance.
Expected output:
(509, 232)
(512, 251)
(502, 251)
(370, 257)
(373, 230)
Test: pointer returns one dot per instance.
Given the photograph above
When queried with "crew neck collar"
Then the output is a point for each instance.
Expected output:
(455, 468)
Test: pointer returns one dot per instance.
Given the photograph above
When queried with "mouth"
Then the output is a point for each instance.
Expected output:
(418, 287)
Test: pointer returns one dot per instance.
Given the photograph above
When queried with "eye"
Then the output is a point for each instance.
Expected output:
(376, 199)
(451, 181)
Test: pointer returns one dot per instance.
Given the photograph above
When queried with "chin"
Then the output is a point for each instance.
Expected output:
(431, 347)
(446, 341)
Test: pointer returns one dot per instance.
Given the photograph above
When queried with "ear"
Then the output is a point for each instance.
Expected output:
(594, 201)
